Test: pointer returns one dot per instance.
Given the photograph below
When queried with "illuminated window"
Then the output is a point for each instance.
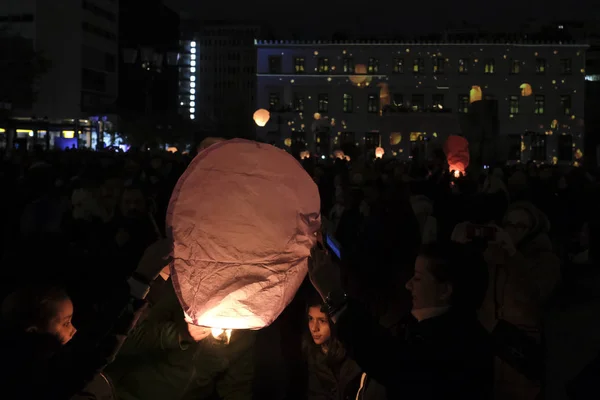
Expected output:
(438, 101)
(540, 66)
(463, 103)
(348, 65)
(514, 147)
(438, 65)
(513, 105)
(418, 65)
(398, 65)
(490, 66)
(323, 106)
(539, 104)
(373, 103)
(273, 101)
(274, 64)
(298, 102)
(463, 65)
(565, 148)
(323, 65)
(417, 102)
(371, 141)
(373, 67)
(398, 99)
(538, 146)
(515, 66)
(348, 105)
(299, 138)
(565, 66)
(565, 103)
(416, 136)
(299, 65)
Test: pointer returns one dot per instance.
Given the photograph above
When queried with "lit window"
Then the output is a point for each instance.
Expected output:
(418, 65)
(323, 65)
(514, 105)
(348, 105)
(348, 65)
(463, 65)
(565, 103)
(192, 116)
(323, 106)
(418, 102)
(398, 99)
(490, 66)
(193, 50)
(398, 65)
(192, 110)
(373, 103)
(540, 66)
(193, 63)
(298, 102)
(565, 66)
(463, 103)
(438, 65)
(193, 57)
(538, 147)
(438, 101)
(192, 70)
(299, 65)
(273, 101)
(540, 101)
(192, 44)
(515, 66)
(373, 67)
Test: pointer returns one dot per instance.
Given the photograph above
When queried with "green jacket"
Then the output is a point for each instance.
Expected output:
(160, 361)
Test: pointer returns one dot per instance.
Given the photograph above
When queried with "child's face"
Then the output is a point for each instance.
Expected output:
(60, 326)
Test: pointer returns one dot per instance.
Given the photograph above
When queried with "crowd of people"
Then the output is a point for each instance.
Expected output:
(439, 288)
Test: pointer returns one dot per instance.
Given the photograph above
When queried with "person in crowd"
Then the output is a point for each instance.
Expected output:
(423, 208)
(445, 352)
(165, 357)
(331, 373)
(48, 358)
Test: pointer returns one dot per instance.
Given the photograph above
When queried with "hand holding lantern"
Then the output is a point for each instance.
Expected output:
(156, 257)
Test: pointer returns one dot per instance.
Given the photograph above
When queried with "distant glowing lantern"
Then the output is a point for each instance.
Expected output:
(261, 117)
(347, 158)
(457, 153)
(287, 142)
(384, 95)
(554, 124)
(240, 253)
(304, 155)
(361, 75)
(172, 149)
(475, 94)
(317, 116)
(526, 90)
(379, 152)
(395, 138)
(339, 154)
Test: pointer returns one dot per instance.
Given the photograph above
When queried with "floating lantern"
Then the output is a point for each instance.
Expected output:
(384, 95)
(475, 94)
(304, 155)
(379, 152)
(243, 219)
(361, 76)
(339, 154)
(347, 158)
(172, 149)
(457, 154)
(526, 90)
(287, 142)
(395, 138)
(261, 117)
(317, 116)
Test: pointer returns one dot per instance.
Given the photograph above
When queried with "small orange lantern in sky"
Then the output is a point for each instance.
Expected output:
(379, 152)
(304, 155)
(361, 75)
(395, 138)
(475, 94)
(526, 90)
(261, 117)
(339, 154)
(287, 142)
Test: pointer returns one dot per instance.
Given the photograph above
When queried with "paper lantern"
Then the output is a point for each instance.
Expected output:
(526, 90)
(304, 155)
(261, 117)
(172, 149)
(338, 154)
(379, 152)
(384, 95)
(287, 142)
(243, 219)
(317, 116)
(361, 77)
(475, 94)
(347, 158)
(395, 138)
(457, 153)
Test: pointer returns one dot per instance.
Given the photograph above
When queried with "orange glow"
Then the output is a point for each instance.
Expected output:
(261, 117)
(379, 152)
(395, 138)
(218, 332)
(526, 90)
(475, 94)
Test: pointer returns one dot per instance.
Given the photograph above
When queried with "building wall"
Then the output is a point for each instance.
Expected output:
(498, 86)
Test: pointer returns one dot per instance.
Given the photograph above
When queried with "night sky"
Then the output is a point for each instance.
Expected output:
(321, 18)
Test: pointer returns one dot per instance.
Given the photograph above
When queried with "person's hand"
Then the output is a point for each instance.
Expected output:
(198, 332)
(323, 273)
(156, 257)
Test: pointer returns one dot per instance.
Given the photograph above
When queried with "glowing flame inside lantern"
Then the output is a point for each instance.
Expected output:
(379, 152)
(218, 332)
(457, 174)
(457, 154)
(261, 117)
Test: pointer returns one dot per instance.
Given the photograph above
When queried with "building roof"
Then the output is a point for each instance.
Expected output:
(302, 43)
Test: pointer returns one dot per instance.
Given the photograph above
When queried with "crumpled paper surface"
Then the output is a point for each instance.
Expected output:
(243, 219)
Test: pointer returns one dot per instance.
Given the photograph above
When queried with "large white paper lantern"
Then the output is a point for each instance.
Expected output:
(261, 117)
(243, 219)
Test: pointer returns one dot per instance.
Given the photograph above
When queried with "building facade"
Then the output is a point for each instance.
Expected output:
(514, 101)
(218, 77)
(79, 40)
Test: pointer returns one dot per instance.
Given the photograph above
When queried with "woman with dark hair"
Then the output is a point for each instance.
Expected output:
(444, 352)
(331, 373)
